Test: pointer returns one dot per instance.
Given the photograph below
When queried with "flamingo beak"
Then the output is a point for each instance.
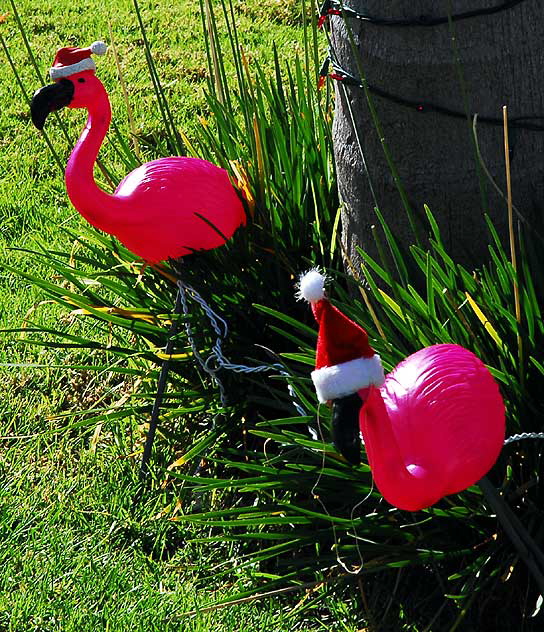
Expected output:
(49, 99)
(345, 427)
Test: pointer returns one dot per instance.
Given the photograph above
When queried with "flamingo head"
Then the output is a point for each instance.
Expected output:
(87, 89)
(75, 83)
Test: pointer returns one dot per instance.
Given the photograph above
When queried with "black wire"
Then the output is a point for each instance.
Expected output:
(161, 387)
(334, 7)
(517, 122)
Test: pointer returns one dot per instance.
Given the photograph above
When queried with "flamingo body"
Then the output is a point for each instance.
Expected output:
(434, 428)
(179, 205)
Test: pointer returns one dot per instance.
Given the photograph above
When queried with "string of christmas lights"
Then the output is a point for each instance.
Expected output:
(340, 74)
(334, 7)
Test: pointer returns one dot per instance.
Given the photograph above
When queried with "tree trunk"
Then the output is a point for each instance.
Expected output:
(502, 62)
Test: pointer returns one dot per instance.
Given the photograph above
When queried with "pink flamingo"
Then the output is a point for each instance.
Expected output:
(432, 427)
(166, 208)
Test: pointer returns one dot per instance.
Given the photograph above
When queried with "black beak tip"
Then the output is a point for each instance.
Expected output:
(49, 99)
(38, 120)
(345, 427)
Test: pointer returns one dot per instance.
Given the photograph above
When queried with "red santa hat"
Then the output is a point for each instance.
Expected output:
(70, 60)
(345, 362)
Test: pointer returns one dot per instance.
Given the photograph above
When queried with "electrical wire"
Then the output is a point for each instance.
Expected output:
(423, 107)
(334, 7)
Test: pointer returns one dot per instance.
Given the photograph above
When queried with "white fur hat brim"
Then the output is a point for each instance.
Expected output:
(58, 72)
(340, 380)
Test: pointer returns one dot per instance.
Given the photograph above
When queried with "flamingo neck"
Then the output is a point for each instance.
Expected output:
(382, 448)
(91, 201)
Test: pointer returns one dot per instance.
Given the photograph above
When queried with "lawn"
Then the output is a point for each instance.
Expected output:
(250, 519)
(79, 553)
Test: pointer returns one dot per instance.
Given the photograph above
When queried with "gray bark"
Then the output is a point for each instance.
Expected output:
(502, 60)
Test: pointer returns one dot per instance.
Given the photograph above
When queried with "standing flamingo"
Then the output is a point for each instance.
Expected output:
(166, 208)
(432, 427)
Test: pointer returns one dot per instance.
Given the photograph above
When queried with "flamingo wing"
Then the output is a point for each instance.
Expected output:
(178, 206)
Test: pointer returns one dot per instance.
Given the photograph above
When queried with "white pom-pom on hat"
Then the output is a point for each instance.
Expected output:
(311, 286)
(345, 361)
(99, 48)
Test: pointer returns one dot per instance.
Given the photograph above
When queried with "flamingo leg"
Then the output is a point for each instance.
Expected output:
(527, 548)
(161, 386)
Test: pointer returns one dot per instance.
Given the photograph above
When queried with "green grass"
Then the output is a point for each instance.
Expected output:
(77, 556)
(254, 503)
(77, 553)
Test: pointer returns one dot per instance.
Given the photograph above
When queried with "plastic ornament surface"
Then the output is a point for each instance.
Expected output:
(434, 428)
(166, 208)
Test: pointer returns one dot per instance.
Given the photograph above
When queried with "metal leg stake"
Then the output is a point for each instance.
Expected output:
(161, 386)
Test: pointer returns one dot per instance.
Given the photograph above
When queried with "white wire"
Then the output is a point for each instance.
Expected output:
(216, 360)
(524, 435)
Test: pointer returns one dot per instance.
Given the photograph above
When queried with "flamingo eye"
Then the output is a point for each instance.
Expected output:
(81, 80)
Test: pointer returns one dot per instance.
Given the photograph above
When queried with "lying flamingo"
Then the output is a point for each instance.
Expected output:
(166, 208)
(432, 427)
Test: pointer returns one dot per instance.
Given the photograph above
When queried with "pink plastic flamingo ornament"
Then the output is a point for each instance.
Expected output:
(432, 427)
(164, 209)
